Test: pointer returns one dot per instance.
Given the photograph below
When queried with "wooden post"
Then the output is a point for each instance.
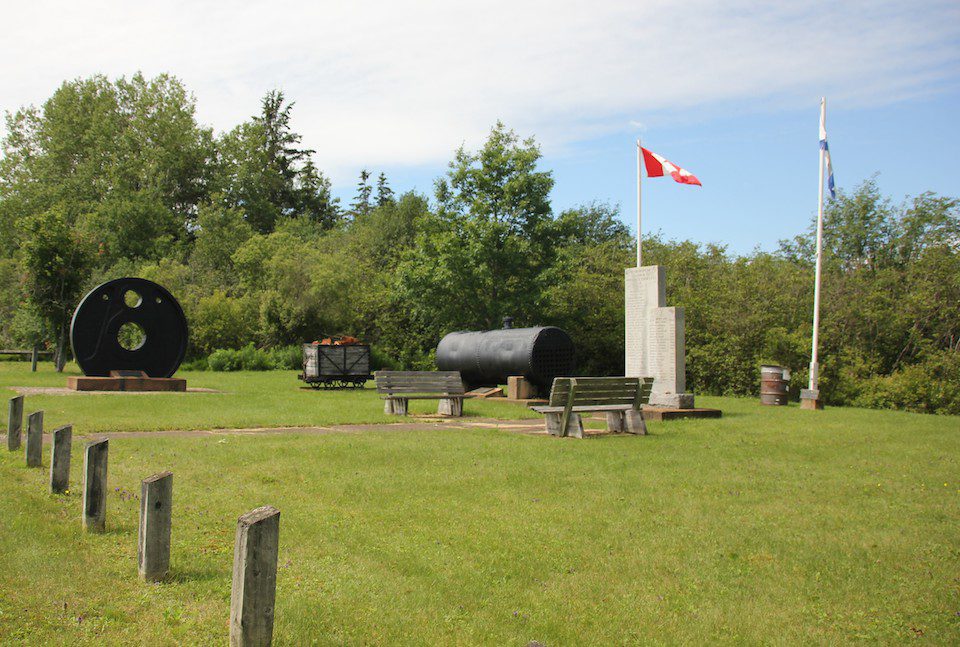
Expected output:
(254, 577)
(33, 359)
(35, 439)
(153, 541)
(95, 485)
(60, 459)
(14, 423)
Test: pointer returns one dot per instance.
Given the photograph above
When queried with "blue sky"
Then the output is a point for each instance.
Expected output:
(729, 89)
(759, 170)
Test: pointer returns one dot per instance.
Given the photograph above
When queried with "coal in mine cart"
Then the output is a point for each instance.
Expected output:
(340, 364)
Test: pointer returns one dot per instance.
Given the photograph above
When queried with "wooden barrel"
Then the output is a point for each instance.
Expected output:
(773, 386)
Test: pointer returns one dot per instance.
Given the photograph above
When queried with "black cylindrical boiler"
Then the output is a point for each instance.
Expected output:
(488, 357)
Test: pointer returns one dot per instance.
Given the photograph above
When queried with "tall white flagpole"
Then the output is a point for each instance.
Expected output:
(639, 155)
(814, 364)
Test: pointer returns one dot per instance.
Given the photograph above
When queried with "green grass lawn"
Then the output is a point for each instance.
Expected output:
(770, 525)
(245, 399)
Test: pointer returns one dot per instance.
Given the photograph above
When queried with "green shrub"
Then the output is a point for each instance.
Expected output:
(932, 386)
(196, 364)
(285, 357)
(250, 358)
(218, 321)
(381, 361)
(224, 359)
(254, 359)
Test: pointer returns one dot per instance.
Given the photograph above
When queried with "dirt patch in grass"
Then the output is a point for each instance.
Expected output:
(62, 390)
(413, 425)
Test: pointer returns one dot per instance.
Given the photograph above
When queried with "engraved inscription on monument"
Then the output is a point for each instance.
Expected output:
(655, 337)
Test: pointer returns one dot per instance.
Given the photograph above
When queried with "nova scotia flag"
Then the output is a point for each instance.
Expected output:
(826, 155)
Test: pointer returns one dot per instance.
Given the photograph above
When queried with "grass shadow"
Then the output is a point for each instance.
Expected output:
(188, 575)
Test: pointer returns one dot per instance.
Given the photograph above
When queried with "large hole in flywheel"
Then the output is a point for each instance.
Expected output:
(131, 336)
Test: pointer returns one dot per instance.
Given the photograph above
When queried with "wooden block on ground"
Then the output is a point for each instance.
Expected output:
(14, 422)
(486, 392)
(153, 537)
(95, 485)
(254, 589)
(520, 388)
(35, 439)
(60, 459)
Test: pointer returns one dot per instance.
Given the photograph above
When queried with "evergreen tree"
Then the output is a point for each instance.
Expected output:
(384, 192)
(314, 200)
(361, 203)
(267, 174)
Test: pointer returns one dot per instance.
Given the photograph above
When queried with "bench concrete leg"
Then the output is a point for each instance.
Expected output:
(395, 406)
(450, 407)
(615, 422)
(574, 425)
(634, 422)
(552, 422)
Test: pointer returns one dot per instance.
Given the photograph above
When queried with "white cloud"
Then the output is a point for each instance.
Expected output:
(390, 84)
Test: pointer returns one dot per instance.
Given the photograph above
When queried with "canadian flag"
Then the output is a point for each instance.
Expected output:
(657, 166)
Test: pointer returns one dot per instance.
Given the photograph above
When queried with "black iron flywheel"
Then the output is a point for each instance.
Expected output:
(129, 324)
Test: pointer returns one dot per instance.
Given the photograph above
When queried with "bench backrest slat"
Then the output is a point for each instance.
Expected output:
(601, 390)
(425, 382)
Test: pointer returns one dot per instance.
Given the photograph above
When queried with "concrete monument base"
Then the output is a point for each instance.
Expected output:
(672, 400)
(810, 399)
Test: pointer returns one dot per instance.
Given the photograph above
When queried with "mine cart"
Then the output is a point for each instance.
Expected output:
(344, 363)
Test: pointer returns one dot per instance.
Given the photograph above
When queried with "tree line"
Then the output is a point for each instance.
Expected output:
(117, 178)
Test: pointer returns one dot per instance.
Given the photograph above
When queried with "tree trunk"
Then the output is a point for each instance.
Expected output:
(59, 358)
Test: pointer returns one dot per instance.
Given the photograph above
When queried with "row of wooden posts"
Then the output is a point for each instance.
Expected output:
(258, 531)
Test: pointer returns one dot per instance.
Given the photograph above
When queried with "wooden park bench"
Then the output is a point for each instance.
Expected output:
(619, 397)
(397, 388)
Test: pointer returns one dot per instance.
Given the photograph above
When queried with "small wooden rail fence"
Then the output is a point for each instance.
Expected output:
(34, 355)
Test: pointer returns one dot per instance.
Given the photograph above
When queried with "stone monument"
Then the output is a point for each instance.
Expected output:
(655, 337)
